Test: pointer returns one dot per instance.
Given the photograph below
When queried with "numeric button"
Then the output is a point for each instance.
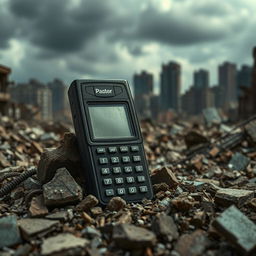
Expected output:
(105, 171)
(132, 190)
(124, 149)
(143, 189)
(139, 168)
(127, 169)
(119, 180)
(109, 192)
(103, 160)
(112, 149)
(136, 158)
(141, 178)
(126, 159)
(114, 159)
(117, 170)
(107, 181)
(135, 148)
(121, 191)
(130, 179)
(101, 150)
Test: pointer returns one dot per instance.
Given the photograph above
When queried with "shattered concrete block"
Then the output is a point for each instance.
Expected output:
(66, 155)
(237, 229)
(61, 215)
(9, 232)
(194, 138)
(62, 189)
(164, 175)
(194, 244)
(62, 243)
(116, 204)
(164, 226)
(33, 226)
(211, 116)
(128, 236)
(87, 203)
(228, 196)
(37, 207)
(238, 162)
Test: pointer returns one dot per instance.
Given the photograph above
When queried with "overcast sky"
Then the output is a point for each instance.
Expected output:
(72, 39)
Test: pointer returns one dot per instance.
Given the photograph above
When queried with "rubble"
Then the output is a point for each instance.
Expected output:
(63, 243)
(62, 189)
(238, 229)
(193, 185)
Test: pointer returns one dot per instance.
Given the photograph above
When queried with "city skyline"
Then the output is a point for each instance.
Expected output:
(95, 39)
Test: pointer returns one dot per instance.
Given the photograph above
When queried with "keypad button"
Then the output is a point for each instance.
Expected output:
(105, 171)
(109, 192)
(112, 149)
(141, 178)
(132, 190)
(119, 180)
(135, 148)
(124, 149)
(136, 158)
(126, 159)
(139, 168)
(103, 160)
(107, 181)
(117, 170)
(114, 159)
(127, 169)
(120, 191)
(101, 150)
(143, 189)
(130, 179)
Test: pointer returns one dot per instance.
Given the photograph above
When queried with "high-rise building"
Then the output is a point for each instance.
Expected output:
(143, 88)
(244, 78)
(201, 79)
(44, 102)
(59, 99)
(170, 86)
(228, 84)
(4, 95)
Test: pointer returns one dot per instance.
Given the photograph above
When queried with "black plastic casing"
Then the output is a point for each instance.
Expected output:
(82, 94)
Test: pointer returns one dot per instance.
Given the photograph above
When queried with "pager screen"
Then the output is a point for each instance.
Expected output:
(110, 121)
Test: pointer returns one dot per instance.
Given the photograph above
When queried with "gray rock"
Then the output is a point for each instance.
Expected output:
(31, 183)
(33, 226)
(62, 189)
(238, 162)
(9, 232)
(116, 204)
(228, 196)
(237, 228)
(164, 226)
(62, 243)
(128, 236)
(62, 215)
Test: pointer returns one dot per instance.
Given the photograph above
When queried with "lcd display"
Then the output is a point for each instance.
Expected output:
(109, 122)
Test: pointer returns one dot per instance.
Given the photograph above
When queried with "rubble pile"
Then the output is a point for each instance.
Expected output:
(204, 181)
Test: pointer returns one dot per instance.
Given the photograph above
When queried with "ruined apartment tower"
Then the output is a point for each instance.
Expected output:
(4, 95)
(247, 102)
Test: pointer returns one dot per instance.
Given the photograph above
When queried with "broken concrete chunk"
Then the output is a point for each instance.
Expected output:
(62, 215)
(33, 226)
(194, 138)
(66, 155)
(128, 236)
(238, 162)
(116, 204)
(62, 189)
(228, 196)
(87, 203)
(194, 244)
(62, 243)
(37, 207)
(164, 226)
(251, 130)
(237, 229)
(9, 232)
(211, 116)
(164, 175)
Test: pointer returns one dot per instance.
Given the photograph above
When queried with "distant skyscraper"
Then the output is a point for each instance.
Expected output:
(201, 79)
(170, 86)
(143, 87)
(59, 98)
(228, 84)
(244, 78)
(44, 102)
